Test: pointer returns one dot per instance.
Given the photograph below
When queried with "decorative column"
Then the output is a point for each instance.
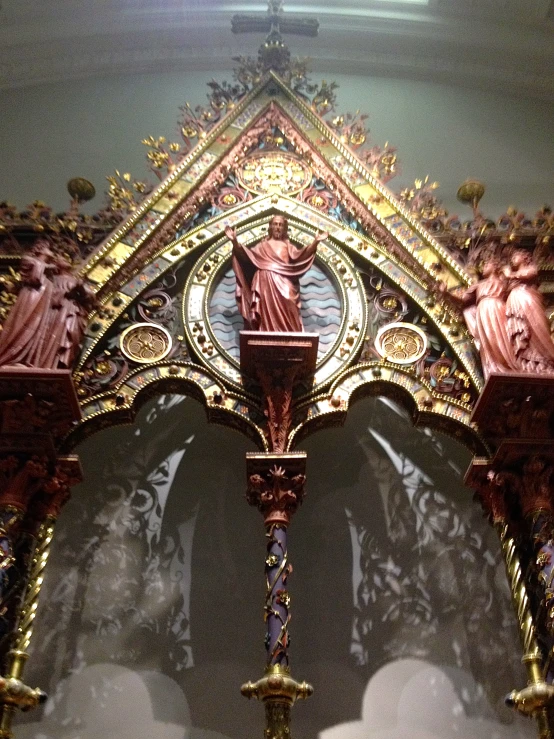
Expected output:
(535, 699)
(515, 415)
(276, 486)
(37, 409)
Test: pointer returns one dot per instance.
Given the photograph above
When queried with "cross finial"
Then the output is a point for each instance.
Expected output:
(274, 53)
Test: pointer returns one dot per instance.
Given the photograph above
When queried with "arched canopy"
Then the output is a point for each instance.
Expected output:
(157, 273)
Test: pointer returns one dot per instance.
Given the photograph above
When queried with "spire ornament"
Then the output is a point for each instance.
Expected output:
(274, 53)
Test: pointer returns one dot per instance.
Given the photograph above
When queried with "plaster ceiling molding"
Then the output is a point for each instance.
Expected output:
(491, 44)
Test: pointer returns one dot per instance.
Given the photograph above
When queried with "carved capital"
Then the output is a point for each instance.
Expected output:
(276, 495)
(529, 481)
(54, 493)
(20, 479)
(488, 491)
(276, 485)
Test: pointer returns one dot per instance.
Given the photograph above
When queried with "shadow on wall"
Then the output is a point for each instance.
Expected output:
(156, 570)
(412, 698)
(112, 701)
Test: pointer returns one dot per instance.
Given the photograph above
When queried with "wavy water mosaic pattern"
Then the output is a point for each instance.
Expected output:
(321, 311)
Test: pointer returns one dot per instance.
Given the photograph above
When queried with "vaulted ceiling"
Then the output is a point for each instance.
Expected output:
(504, 45)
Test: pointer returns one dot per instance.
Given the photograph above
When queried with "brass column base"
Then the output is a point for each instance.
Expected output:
(15, 695)
(279, 691)
(536, 699)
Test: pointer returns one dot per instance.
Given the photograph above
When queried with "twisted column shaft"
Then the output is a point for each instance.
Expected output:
(35, 580)
(533, 699)
(277, 599)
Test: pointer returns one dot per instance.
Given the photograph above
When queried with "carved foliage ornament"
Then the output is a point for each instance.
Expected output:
(276, 494)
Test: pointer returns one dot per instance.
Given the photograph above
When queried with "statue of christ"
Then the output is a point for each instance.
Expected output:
(268, 291)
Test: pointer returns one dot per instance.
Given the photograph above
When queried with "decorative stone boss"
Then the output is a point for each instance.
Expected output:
(268, 290)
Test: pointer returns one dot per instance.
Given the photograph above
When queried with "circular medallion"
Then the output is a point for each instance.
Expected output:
(145, 342)
(265, 173)
(332, 298)
(402, 343)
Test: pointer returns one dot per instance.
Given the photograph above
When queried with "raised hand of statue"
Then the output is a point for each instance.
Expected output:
(231, 234)
(318, 238)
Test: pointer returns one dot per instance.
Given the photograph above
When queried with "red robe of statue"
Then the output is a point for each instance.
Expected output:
(267, 277)
(24, 333)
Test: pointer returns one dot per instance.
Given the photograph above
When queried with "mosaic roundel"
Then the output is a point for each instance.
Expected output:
(402, 343)
(145, 342)
(333, 306)
(264, 173)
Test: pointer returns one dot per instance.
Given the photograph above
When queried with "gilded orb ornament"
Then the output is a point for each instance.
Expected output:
(470, 192)
(80, 189)
(401, 343)
(145, 343)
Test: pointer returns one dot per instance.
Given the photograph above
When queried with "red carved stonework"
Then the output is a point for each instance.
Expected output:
(490, 494)
(54, 493)
(505, 313)
(267, 275)
(515, 406)
(526, 475)
(277, 361)
(38, 407)
(46, 324)
(20, 479)
(276, 484)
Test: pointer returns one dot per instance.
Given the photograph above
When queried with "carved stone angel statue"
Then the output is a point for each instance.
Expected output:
(527, 322)
(268, 293)
(46, 323)
(504, 312)
(484, 306)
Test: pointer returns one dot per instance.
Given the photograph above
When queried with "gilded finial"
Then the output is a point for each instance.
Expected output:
(470, 192)
(274, 53)
(80, 189)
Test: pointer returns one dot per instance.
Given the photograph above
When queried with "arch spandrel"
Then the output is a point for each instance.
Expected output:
(350, 257)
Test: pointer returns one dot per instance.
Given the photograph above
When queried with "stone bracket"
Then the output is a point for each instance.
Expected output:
(277, 361)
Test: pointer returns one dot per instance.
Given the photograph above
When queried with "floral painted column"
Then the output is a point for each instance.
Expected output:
(276, 487)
